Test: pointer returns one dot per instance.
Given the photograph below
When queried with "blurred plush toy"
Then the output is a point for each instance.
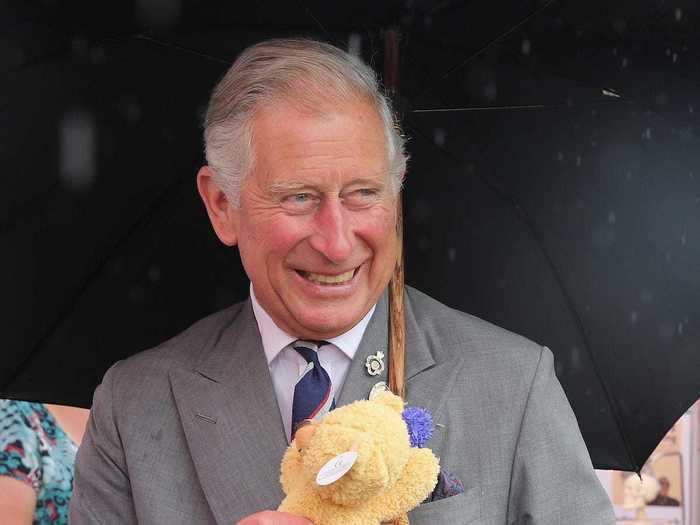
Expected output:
(639, 491)
(358, 466)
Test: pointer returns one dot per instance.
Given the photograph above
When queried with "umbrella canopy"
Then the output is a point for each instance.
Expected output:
(553, 187)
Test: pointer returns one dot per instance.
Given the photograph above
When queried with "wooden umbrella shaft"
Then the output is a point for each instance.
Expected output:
(396, 315)
(396, 285)
(396, 322)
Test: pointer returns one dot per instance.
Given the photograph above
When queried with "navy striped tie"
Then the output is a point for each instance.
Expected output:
(313, 392)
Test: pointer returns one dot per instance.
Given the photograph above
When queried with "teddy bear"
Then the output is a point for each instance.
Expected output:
(357, 466)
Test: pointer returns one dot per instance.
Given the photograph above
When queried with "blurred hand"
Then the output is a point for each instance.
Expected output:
(271, 517)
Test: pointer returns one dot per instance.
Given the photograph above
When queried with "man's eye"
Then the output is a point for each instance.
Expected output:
(299, 201)
(361, 197)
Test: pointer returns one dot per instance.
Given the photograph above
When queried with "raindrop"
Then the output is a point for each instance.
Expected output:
(428, 21)
(668, 51)
(679, 14)
(628, 175)
(690, 108)
(560, 156)
(683, 239)
(525, 47)
(614, 51)
(680, 328)
(593, 144)
(490, 91)
(162, 14)
(661, 99)
(674, 58)
(575, 357)
(439, 136)
(154, 273)
(612, 218)
(78, 145)
(633, 317)
(646, 295)
(452, 254)
(647, 134)
(620, 25)
(133, 112)
(355, 44)
(690, 174)
(578, 161)
(624, 62)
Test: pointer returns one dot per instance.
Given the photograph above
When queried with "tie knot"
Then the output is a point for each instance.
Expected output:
(308, 349)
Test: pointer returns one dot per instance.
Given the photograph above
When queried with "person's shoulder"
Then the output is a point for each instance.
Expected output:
(457, 333)
(20, 454)
(16, 413)
(149, 367)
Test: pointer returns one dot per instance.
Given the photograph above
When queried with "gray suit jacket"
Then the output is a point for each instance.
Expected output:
(190, 432)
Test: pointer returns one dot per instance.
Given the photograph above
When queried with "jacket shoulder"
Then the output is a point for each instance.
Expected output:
(147, 371)
(452, 333)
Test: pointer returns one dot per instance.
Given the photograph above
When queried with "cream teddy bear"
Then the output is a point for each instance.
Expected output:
(357, 466)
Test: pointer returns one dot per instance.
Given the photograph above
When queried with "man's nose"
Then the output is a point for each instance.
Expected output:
(333, 235)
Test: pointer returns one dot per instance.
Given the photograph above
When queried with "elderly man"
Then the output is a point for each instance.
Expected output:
(305, 164)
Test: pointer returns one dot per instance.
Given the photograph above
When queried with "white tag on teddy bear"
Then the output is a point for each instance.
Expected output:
(336, 468)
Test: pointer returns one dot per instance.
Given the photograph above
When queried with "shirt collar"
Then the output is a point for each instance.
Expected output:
(274, 339)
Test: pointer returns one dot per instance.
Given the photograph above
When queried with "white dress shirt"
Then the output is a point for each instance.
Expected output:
(287, 365)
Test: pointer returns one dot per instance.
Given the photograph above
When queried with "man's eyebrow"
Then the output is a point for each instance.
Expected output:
(367, 181)
(285, 186)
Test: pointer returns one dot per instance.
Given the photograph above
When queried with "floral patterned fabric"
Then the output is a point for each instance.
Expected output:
(35, 450)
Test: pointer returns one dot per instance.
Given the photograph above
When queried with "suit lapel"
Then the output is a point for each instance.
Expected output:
(232, 422)
(427, 383)
(358, 382)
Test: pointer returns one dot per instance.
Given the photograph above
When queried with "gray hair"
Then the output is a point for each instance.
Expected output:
(306, 72)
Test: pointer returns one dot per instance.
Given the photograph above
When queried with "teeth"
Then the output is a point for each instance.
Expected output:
(329, 279)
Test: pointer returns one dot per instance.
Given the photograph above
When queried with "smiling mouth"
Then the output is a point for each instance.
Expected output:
(328, 279)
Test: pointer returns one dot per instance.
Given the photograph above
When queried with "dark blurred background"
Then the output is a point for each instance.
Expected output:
(553, 187)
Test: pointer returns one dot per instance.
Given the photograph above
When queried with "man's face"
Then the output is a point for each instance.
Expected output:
(317, 223)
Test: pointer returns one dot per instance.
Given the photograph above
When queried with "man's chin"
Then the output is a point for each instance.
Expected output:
(327, 324)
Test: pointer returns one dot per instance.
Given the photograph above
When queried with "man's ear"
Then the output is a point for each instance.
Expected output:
(224, 216)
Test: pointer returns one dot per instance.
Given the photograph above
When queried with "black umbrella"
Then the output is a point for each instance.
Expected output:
(551, 190)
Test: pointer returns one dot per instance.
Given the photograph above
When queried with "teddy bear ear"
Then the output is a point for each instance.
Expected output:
(390, 400)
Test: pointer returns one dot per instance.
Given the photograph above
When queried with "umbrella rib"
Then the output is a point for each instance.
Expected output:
(488, 45)
(512, 201)
(91, 276)
(485, 108)
(178, 47)
(311, 15)
(465, 109)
